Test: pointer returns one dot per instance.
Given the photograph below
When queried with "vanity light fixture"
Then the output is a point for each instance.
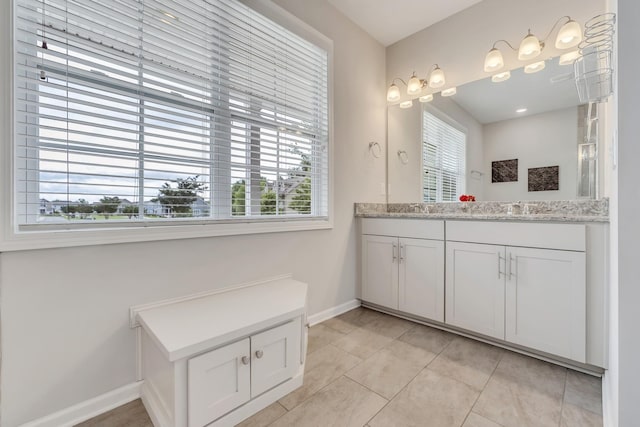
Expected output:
(569, 57)
(534, 68)
(449, 92)
(569, 35)
(426, 98)
(406, 104)
(521, 110)
(501, 77)
(415, 84)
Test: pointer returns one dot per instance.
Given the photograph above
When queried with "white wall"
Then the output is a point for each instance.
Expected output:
(64, 312)
(546, 139)
(626, 337)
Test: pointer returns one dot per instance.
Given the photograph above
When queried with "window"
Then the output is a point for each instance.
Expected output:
(165, 110)
(443, 160)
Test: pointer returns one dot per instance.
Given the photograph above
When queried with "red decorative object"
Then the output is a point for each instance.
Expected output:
(467, 198)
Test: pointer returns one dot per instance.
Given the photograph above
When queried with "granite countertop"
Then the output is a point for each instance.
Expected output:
(549, 211)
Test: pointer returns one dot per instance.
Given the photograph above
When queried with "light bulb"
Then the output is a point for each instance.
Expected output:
(414, 85)
(436, 79)
(406, 104)
(569, 57)
(393, 93)
(534, 68)
(501, 77)
(529, 47)
(449, 92)
(426, 98)
(493, 61)
(570, 35)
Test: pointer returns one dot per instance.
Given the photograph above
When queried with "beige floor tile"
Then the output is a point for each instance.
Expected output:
(533, 373)
(469, 361)
(575, 416)
(584, 391)
(321, 336)
(346, 322)
(342, 403)
(425, 337)
(386, 325)
(390, 369)
(132, 414)
(362, 343)
(322, 367)
(475, 420)
(265, 417)
(430, 399)
(523, 392)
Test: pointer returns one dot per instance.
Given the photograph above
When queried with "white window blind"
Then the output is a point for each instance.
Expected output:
(443, 160)
(160, 110)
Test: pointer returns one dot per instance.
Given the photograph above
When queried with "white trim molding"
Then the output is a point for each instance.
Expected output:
(89, 408)
(329, 313)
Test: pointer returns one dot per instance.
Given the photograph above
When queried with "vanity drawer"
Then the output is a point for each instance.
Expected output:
(416, 228)
(569, 237)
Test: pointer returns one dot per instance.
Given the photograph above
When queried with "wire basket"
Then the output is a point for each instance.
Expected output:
(593, 70)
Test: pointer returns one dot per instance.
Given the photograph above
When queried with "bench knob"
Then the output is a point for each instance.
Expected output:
(245, 360)
(259, 354)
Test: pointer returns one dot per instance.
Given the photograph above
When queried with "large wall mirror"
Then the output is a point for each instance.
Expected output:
(526, 138)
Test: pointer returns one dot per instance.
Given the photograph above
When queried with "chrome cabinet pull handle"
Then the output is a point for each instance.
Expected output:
(500, 272)
(511, 258)
(402, 248)
(245, 360)
(393, 252)
(259, 354)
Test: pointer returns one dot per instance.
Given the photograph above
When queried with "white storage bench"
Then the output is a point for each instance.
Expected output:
(217, 359)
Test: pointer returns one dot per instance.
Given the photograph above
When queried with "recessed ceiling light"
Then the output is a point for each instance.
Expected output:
(521, 110)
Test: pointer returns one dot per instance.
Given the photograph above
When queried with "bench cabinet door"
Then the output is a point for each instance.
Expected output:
(218, 382)
(275, 357)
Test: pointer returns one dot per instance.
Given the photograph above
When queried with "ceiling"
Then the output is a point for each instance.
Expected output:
(389, 21)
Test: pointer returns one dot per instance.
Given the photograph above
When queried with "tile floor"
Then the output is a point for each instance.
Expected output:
(365, 368)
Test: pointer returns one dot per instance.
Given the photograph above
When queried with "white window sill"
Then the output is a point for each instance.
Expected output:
(87, 237)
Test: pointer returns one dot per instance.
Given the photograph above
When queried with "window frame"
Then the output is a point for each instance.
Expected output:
(454, 124)
(51, 237)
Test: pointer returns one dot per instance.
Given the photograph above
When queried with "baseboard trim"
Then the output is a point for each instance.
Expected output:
(333, 312)
(89, 408)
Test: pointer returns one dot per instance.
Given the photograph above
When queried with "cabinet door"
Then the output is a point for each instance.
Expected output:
(421, 280)
(380, 270)
(546, 301)
(275, 357)
(475, 287)
(218, 381)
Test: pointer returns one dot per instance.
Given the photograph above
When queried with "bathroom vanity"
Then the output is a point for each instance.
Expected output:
(535, 283)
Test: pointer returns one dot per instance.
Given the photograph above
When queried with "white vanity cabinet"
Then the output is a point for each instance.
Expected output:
(532, 294)
(404, 273)
(214, 360)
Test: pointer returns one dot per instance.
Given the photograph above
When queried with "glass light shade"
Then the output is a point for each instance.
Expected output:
(501, 77)
(426, 98)
(393, 93)
(534, 68)
(414, 85)
(449, 92)
(529, 47)
(569, 57)
(493, 61)
(406, 104)
(436, 79)
(570, 35)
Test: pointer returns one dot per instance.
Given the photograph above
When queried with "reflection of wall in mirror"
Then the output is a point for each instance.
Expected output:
(545, 139)
(404, 133)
